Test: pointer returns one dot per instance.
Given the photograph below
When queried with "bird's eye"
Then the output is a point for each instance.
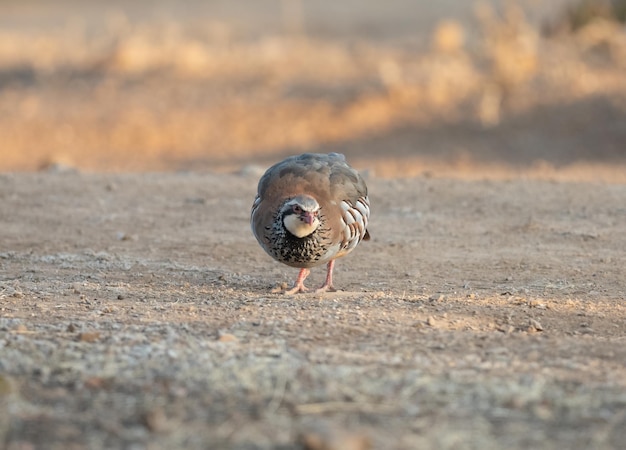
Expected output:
(297, 209)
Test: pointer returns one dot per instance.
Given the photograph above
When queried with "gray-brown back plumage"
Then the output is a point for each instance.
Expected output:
(343, 209)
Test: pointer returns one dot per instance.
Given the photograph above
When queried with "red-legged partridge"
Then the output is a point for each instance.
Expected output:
(310, 209)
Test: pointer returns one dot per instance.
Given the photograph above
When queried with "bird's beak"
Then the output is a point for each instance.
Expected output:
(309, 217)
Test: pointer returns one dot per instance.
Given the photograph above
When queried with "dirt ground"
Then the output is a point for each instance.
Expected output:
(139, 312)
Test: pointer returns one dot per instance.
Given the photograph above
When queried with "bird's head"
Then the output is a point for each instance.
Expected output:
(301, 215)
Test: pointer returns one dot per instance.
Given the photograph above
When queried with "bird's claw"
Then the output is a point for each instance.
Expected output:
(325, 288)
(296, 289)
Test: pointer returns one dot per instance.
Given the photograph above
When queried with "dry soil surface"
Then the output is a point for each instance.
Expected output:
(137, 311)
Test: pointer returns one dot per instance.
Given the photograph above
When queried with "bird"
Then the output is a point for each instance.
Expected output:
(310, 209)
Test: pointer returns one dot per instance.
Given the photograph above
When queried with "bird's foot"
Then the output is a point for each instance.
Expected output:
(297, 289)
(299, 286)
(325, 288)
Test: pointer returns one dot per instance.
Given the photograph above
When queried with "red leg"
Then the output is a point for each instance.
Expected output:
(328, 284)
(299, 286)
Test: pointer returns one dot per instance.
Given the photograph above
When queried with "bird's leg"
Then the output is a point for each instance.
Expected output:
(299, 286)
(328, 284)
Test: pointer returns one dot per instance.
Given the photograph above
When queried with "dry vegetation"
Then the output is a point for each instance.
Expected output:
(162, 96)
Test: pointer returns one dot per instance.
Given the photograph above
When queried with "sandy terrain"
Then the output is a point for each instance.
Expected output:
(139, 312)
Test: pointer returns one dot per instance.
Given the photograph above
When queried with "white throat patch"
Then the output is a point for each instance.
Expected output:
(298, 227)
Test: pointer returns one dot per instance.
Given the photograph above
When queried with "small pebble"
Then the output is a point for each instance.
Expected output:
(280, 288)
(95, 383)
(536, 304)
(121, 236)
(91, 336)
(335, 441)
(156, 421)
(535, 325)
(252, 170)
(507, 329)
(227, 337)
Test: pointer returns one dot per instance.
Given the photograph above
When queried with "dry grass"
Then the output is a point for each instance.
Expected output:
(161, 96)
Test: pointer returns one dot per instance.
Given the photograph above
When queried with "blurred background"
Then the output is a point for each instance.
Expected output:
(445, 88)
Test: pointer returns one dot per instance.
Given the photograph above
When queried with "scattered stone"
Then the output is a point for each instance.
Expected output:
(21, 328)
(506, 329)
(71, 328)
(335, 441)
(543, 412)
(534, 325)
(252, 170)
(58, 167)
(121, 236)
(227, 337)
(95, 383)
(536, 304)
(90, 336)
(280, 288)
(156, 421)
